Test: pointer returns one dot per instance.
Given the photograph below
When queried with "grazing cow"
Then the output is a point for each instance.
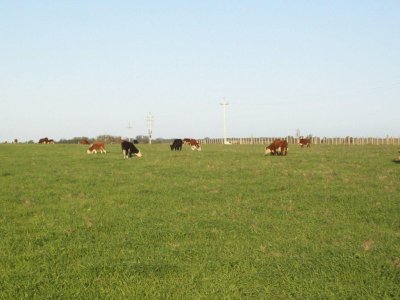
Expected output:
(304, 142)
(44, 140)
(84, 142)
(96, 147)
(278, 147)
(194, 145)
(176, 145)
(50, 141)
(397, 161)
(129, 149)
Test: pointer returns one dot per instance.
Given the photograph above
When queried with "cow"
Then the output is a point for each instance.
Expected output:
(194, 145)
(50, 141)
(176, 145)
(44, 140)
(129, 149)
(277, 147)
(397, 161)
(304, 142)
(99, 146)
(84, 142)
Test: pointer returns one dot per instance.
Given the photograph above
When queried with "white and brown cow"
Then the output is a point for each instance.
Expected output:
(277, 147)
(98, 146)
(305, 142)
(194, 145)
(129, 150)
(84, 142)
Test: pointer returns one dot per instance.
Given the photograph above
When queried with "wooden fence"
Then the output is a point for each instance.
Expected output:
(315, 140)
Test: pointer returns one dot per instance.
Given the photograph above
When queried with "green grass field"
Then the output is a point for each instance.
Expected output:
(227, 222)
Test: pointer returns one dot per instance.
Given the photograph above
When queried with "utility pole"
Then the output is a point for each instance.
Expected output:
(129, 131)
(149, 126)
(224, 104)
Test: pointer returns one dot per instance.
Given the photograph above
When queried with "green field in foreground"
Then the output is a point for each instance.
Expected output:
(227, 222)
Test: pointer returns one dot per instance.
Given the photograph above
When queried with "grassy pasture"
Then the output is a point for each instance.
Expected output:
(226, 222)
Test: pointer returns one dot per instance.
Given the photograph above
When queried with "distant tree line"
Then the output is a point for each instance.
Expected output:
(111, 139)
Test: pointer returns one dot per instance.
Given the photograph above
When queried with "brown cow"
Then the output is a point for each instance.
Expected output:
(304, 142)
(278, 147)
(84, 142)
(194, 145)
(99, 146)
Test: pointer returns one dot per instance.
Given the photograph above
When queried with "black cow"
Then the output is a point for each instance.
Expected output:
(43, 140)
(176, 145)
(129, 149)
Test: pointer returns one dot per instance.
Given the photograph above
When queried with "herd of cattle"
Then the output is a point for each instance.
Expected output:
(277, 147)
(46, 141)
(129, 149)
(177, 144)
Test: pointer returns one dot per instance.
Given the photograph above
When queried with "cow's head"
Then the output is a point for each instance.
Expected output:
(268, 151)
(135, 151)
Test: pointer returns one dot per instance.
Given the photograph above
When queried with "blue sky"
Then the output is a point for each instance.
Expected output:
(85, 68)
